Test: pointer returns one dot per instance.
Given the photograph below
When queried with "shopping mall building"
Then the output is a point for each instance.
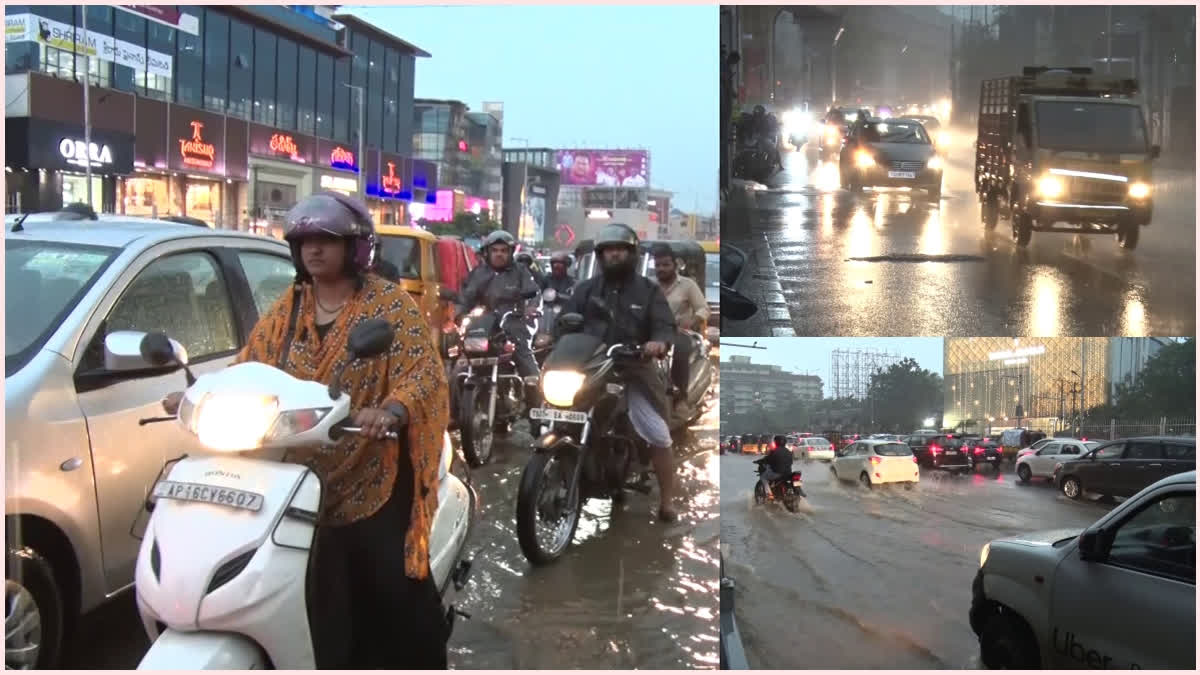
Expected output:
(227, 114)
(1038, 383)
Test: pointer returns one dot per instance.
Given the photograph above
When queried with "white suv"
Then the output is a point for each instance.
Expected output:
(813, 447)
(1121, 594)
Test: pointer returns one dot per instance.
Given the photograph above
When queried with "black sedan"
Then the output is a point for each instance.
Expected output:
(985, 452)
(891, 153)
(1124, 467)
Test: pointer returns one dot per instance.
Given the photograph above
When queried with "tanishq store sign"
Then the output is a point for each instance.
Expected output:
(196, 151)
(79, 153)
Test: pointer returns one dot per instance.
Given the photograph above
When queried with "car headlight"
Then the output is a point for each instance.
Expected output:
(560, 386)
(1050, 187)
(935, 163)
(983, 555)
(1139, 190)
(942, 138)
(832, 134)
(234, 422)
(863, 159)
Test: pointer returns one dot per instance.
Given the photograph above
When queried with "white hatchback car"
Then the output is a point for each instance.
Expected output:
(873, 462)
(814, 447)
(1041, 462)
(1121, 594)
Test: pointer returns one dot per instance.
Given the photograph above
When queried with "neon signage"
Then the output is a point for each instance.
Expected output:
(195, 151)
(342, 158)
(285, 145)
(79, 153)
(391, 183)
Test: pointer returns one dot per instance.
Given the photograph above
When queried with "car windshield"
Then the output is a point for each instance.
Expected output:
(43, 281)
(1090, 445)
(893, 450)
(404, 253)
(896, 132)
(1091, 127)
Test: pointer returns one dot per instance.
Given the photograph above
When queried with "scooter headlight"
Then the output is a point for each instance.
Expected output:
(296, 422)
(1050, 187)
(560, 386)
(234, 422)
(983, 555)
(1139, 190)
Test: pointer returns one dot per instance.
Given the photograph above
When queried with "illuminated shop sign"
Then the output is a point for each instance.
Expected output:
(339, 183)
(79, 153)
(1014, 354)
(341, 158)
(284, 144)
(390, 183)
(195, 151)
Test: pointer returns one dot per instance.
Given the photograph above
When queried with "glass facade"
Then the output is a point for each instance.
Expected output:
(1052, 379)
(216, 60)
(285, 90)
(241, 73)
(265, 44)
(440, 131)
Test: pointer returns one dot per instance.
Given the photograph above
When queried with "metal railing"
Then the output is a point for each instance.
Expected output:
(1113, 429)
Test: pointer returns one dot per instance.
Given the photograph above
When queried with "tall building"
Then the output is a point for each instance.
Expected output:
(748, 386)
(229, 114)
(467, 149)
(1037, 382)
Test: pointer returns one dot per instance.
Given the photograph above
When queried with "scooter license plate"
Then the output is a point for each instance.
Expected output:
(209, 494)
(554, 415)
(483, 361)
(901, 174)
(797, 483)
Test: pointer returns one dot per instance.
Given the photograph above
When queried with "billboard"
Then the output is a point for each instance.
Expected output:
(604, 168)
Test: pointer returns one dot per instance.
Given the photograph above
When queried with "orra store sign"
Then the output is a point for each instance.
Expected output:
(79, 153)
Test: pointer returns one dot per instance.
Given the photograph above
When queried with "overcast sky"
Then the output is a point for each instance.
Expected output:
(581, 76)
(813, 356)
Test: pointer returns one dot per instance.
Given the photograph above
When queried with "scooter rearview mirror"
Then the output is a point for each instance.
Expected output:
(736, 306)
(370, 338)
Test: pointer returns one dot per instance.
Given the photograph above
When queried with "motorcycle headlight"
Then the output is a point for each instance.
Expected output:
(295, 422)
(863, 159)
(475, 345)
(935, 163)
(983, 555)
(1139, 190)
(234, 422)
(560, 386)
(1050, 187)
(942, 137)
(832, 134)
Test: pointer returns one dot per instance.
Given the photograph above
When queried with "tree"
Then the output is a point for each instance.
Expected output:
(903, 395)
(1166, 387)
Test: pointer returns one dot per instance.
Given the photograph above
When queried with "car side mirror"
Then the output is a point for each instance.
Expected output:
(447, 294)
(736, 306)
(1092, 546)
(129, 350)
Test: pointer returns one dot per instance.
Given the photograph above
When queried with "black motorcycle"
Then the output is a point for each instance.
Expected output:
(490, 393)
(550, 309)
(700, 369)
(787, 489)
(587, 446)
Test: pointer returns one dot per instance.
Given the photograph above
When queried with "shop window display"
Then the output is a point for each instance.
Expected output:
(146, 197)
(203, 201)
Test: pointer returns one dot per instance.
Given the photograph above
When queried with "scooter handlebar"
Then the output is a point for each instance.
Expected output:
(358, 430)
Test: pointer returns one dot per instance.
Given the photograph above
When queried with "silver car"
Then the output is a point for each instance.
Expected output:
(1041, 462)
(77, 462)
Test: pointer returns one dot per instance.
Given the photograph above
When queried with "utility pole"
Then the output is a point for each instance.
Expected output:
(362, 133)
(87, 110)
(1108, 39)
(833, 64)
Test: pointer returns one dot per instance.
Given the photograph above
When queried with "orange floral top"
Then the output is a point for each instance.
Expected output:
(357, 473)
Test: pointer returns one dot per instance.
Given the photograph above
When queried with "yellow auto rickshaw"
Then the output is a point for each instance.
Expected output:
(412, 252)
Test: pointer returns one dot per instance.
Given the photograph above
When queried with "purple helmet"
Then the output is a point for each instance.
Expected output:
(332, 214)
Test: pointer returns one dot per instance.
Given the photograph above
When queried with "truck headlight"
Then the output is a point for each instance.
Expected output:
(560, 386)
(1050, 187)
(863, 159)
(983, 555)
(935, 163)
(1139, 190)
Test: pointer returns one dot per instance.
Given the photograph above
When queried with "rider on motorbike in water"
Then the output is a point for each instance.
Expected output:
(559, 279)
(640, 315)
(691, 313)
(777, 463)
(499, 286)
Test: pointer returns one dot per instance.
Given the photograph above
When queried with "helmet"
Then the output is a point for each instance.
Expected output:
(778, 441)
(616, 234)
(561, 257)
(524, 258)
(759, 110)
(336, 214)
(498, 237)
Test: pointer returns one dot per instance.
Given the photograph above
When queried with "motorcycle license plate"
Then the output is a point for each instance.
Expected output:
(901, 174)
(952, 452)
(488, 361)
(554, 415)
(210, 494)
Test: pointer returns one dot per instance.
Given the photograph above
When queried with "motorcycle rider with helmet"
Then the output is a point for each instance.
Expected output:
(640, 315)
(501, 285)
(559, 279)
(525, 259)
(777, 463)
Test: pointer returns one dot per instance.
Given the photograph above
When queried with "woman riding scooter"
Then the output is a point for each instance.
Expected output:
(374, 603)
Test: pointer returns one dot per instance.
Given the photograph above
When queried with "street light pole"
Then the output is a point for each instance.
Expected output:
(87, 111)
(833, 64)
(362, 133)
(1108, 39)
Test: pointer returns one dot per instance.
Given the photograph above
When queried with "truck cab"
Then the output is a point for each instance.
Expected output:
(1064, 150)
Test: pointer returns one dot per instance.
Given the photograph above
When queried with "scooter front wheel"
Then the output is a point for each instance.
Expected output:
(548, 509)
(475, 427)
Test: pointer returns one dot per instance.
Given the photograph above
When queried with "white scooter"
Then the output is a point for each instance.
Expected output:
(221, 574)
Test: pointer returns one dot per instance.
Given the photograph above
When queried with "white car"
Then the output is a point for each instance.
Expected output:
(877, 462)
(1039, 445)
(813, 447)
(1041, 462)
(1121, 594)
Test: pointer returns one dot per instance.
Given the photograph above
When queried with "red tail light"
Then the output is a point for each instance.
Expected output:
(914, 459)
(979, 451)
(876, 460)
(933, 449)
(796, 476)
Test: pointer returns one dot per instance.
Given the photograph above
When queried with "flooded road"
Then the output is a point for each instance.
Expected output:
(891, 262)
(629, 593)
(876, 579)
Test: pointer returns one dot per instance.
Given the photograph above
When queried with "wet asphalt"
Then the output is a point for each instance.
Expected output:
(872, 579)
(825, 262)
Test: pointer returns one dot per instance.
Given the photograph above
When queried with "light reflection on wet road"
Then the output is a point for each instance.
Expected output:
(630, 592)
(876, 579)
(891, 262)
